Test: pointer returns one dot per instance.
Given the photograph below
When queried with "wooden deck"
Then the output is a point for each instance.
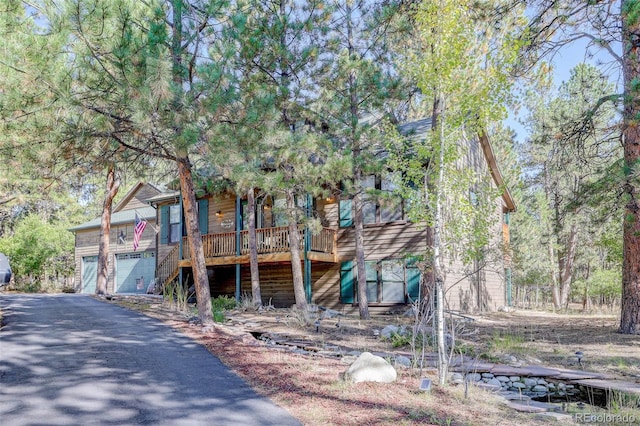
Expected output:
(272, 244)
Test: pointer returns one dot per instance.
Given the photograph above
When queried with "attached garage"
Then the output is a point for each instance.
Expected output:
(127, 267)
(89, 274)
(134, 271)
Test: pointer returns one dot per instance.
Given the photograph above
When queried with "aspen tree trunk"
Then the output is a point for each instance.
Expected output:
(443, 362)
(113, 184)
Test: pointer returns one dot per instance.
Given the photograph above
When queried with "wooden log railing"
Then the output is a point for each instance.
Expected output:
(324, 241)
(269, 240)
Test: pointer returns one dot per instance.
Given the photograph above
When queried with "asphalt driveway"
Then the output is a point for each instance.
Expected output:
(73, 360)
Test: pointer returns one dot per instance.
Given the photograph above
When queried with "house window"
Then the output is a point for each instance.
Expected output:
(280, 212)
(371, 272)
(391, 281)
(390, 207)
(388, 281)
(383, 209)
(172, 224)
(369, 206)
(175, 224)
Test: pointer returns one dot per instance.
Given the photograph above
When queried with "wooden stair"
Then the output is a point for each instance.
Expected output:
(168, 269)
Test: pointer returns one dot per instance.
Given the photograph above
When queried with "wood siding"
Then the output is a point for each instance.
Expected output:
(136, 198)
(276, 282)
(466, 290)
(87, 245)
(87, 240)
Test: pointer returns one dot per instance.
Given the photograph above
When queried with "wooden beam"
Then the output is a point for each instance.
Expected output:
(262, 258)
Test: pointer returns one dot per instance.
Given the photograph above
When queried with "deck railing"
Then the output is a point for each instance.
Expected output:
(168, 267)
(268, 240)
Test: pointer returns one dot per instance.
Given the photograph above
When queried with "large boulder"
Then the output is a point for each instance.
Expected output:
(370, 368)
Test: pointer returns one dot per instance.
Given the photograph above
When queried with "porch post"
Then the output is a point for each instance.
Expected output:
(180, 257)
(307, 247)
(507, 273)
(238, 247)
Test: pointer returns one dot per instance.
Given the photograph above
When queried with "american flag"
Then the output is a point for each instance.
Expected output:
(138, 229)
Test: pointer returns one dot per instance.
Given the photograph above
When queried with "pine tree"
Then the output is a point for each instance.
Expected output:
(359, 89)
(566, 157)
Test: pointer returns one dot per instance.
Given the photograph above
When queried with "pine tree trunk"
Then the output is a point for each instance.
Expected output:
(565, 266)
(256, 296)
(296, 260)
(555, 288)
(630, 306)
(113, 184)
(199, 267)
(358, 221)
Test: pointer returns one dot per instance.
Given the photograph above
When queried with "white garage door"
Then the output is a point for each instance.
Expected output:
(134, 271)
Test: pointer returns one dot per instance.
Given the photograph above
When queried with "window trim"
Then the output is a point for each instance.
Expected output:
(345, 208)
(349, 282)
(170, 230)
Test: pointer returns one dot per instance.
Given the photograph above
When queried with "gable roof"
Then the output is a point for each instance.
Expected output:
(119, 218)
(418, 130)
(132, 192)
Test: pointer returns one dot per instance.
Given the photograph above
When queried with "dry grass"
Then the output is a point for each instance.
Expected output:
(552, 340)
(309, 385)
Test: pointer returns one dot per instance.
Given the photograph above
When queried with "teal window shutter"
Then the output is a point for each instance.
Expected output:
(413, 282)
(164, 224)
(203, 215)
(346, 217)
(347, 281)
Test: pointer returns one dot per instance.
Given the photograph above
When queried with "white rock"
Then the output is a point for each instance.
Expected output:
(370, 368)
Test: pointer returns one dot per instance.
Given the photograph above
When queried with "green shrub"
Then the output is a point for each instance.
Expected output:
(218, 316)
(223, 303)
(220, 305)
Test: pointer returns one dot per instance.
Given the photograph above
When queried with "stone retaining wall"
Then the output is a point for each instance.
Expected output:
(534, 387)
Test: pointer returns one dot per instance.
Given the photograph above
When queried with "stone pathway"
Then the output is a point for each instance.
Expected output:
(519, 384)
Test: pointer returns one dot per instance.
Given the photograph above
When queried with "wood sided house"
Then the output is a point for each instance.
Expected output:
(129, 271)
(329, 267)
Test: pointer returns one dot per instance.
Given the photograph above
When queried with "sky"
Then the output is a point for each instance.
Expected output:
(562, 63)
